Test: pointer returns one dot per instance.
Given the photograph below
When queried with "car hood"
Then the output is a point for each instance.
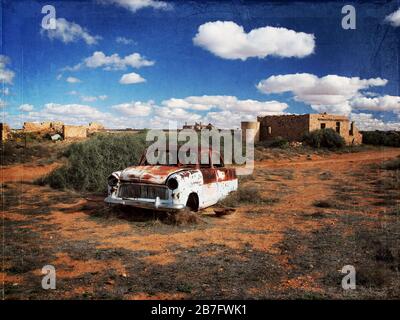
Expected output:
(148, 174)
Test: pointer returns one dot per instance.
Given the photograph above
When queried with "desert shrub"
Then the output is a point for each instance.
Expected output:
(393, 164)
(182, 218)
(90, 162)
(246, 195)
(324, 138)
(279, 142)
(12, 152)
(323, 204)
(381, 138)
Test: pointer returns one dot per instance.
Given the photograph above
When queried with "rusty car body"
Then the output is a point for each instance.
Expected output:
(172, 187)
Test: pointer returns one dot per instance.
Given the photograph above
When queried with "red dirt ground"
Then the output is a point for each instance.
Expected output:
(257, 252)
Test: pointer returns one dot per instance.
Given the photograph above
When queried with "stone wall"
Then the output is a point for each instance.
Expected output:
(95, 127)
(36, 126)
(290, 127)
(340, 124)
(293, 127)
(74, 132)
(4, 131)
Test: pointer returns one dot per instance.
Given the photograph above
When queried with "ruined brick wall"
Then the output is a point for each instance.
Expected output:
(340, 124)
(52, 127)
(290, 127)
(95, 127)
(57, 126)
(36, 126)
(4, 131)
(73, 132)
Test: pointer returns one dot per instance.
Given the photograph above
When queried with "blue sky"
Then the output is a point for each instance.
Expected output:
(140, 63)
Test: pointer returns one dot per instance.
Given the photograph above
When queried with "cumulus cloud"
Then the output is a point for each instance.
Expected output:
(135, 108)
(367, 122)
(228, 40)
(26, 107)
(6, 75)
(379, 103)
(73, 80)
(232, 103)
(124, 40)
(67, 32)
(76, 109)
(112, 62)
(135, 5)
(331, 93)
(223, 111)
(393, 18)
(131, 78)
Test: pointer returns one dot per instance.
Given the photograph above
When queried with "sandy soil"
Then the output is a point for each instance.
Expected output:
(289, 249)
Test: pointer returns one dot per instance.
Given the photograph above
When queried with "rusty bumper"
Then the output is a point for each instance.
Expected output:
(145, 204)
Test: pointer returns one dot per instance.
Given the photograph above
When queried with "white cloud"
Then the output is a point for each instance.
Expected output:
(73, 93)
(112, 62)
(6, 75)
(232, 103)
(88, 98)
(223, 111)
(26, 107)
(366, 121)
(93, 98)
(131, 78)
(394, 18)
(330, 93)
(139, 109)
(2, 103)
(379, 103)
(5, 91)
(135, 5)
(73, 80)
(228, 40)
(77, 110)
(124, 40)
(70, 32)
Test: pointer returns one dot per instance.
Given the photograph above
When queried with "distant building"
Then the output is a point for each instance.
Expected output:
(198, 126)
(4, 131)
(293, 127)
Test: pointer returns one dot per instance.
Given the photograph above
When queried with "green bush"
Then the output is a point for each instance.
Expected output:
(279, 142)
(90, 162)
(382, 138)
(324, 138)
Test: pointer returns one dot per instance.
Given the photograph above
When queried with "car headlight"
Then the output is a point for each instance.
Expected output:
(112, 181)
(172, 183)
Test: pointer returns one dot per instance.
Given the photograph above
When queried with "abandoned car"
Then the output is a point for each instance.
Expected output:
(172, 187)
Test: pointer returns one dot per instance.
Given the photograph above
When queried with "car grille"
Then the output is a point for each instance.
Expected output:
(135, 190)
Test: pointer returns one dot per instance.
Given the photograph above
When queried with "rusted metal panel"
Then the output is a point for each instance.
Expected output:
(146, 185)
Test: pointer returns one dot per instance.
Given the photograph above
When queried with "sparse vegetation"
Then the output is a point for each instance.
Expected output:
(90, 162)
(12, 152)
(277, 142)
(382, 138)
(393, 164)
(247, 194)
(324, 138)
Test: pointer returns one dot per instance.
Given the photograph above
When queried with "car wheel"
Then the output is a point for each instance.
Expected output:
(193, 202)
